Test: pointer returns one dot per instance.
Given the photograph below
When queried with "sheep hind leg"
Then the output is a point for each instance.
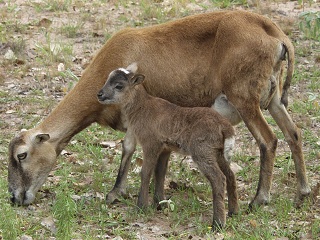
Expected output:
(209, 167)
(119, 189)
(159, 177)
(293, 137)
(233, 205)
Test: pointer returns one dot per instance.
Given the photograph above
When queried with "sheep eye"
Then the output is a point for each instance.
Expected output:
(22, 156)
(119, 87)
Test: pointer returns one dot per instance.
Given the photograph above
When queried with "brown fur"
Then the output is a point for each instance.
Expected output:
(161, 127)
(189, 62)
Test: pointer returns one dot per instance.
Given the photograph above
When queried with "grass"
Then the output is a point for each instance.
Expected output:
(73, 196)
(310, 24)
(64, 208)
(228, 3)
(71, 30)
(53, 51)
(11, 223)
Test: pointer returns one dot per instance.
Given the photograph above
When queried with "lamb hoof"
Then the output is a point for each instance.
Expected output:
(230, 214)
(217, 227)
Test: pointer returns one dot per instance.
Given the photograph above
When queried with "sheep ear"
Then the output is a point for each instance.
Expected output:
(137, 79)
(133, 67)
(42, 137)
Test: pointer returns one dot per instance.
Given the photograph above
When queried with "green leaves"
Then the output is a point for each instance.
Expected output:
(310, 24)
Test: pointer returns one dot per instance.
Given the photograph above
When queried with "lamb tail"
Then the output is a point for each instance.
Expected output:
(228, 148)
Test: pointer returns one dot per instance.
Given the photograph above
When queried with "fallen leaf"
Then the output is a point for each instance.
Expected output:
(72, 159)
(253, 223)
(11, 85)
(100, 195)
(65, 153)
(25, 237)
(19, 62)
(87, 181)
(117, 238)
(173, 185)
(61, 67)
(139, 162)
(48, 223)
(137, 169)
(76, 197)
(107, 144)
(10, 55)
(10, 111)
(45, 22)
(154, 229)
(97, 34)
(181, 186)
(235, 167)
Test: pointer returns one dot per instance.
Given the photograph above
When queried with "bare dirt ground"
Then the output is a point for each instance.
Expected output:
(42, 68)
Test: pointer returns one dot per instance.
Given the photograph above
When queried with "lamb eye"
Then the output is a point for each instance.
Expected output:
(119, 87)
(22, 156)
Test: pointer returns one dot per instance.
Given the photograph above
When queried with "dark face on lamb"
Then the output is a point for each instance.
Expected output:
(114, 87)
(118, 85)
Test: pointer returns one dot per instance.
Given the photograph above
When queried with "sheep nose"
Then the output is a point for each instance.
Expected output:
(100, 95)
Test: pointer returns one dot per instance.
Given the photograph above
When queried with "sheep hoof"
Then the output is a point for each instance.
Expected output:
(115, 195)
(305, 195)
(259, 200)
(255, 205)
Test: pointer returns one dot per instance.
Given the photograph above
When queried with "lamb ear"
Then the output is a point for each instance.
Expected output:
(133, 67)
(137, 79)
(42, 137)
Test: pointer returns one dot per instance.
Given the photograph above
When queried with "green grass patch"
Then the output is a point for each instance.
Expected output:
(65, 208)
(10, 223)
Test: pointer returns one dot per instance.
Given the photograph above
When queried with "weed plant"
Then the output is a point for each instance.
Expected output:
(310, 24)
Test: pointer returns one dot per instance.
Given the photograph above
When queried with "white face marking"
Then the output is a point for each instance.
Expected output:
(21, 149)
(124, 70)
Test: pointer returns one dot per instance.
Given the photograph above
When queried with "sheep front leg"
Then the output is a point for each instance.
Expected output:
(128, 147)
